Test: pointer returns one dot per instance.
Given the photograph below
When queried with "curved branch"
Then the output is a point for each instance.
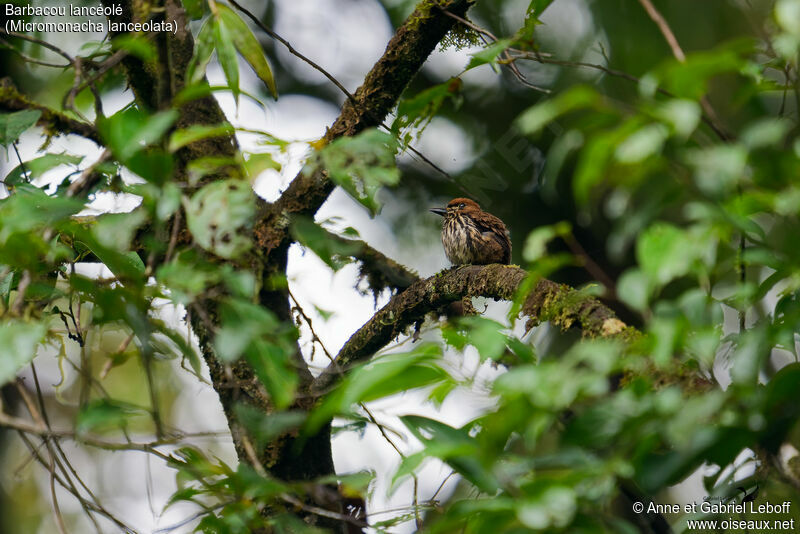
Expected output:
(545, 301)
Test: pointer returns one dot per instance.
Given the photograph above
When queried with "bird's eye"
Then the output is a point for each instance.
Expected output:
(461, 205)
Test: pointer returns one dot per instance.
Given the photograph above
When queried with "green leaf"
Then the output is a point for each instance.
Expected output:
(634, 289)
(554, 507)
(203, 49)
(537, 7)
(218, 214)
(7, 283)
(787, 13)
(30, 208)
(418, 110)
(666, 252)
(265, 428)
(332, 251)
(537, 117)
(594, 160)
(379, 378)
(183, 345)
(536, 243)
(116, 230)
(682, 115)
(186, 277)
(270, 361)
(168, 201)
(39, 166)
(136, 45)
(131, 130)
(13, 124)
(361, 165)
(268, 345)
(259, 162)
(717, 169)
(125, 264)
(248, 46)
(18, 342)
(103, 415)
(489, 54)
(689, 79)
(765, 132)
(196, 132)
(195, 8)
(642, 144)
(183, 494)
(226, 54)
(484, 334)
(454, 446)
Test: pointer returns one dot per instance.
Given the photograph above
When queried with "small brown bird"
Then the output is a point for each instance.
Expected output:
(473, 236)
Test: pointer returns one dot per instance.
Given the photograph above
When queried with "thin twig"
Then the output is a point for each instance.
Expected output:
(510, 64)
(325, 73)
(28, 427)
(45, 44)
(321, 511)
(589, 264)
(370, 415)
(28, 59)
(22, 287)
(435, 493)
(677, 51)
(56, 510)
(84, 503)
(173, 238)
(666, 31)
(266, 29)
(89, 176)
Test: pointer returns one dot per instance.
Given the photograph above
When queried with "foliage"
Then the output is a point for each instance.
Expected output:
(698, 205)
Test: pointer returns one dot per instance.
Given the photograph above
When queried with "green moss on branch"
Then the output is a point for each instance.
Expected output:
(53, 122)
(547, 301)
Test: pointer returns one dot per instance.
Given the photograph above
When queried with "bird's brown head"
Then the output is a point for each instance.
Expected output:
(458, 206)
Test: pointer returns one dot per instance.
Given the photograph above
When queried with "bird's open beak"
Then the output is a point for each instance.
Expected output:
(439, 211)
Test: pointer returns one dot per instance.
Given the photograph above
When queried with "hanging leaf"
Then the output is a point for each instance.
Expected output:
(197, 132)
(13, 124)
(226, 54)
(131, 130)
(18, 342)
(362, 165)
(37, 167)
(332, 251)
(247, 45)
(218, 214)
(203, 49)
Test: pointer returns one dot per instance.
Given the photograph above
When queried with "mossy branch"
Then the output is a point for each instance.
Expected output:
(545, 301)
(54, 122)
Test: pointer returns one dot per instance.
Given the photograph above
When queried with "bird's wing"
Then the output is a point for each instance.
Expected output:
(491, 226)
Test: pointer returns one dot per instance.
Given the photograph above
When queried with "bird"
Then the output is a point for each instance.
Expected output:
(472, 236)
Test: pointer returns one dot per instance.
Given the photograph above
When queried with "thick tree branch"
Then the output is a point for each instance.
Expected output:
(382, 87)
(546, 301)
(54, 122)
